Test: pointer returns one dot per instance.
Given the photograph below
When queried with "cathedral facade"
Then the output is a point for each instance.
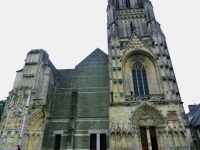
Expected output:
(124, 100)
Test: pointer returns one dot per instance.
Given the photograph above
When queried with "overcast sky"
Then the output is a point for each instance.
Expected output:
(70, 30)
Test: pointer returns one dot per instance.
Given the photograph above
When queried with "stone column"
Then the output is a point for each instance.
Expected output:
(115, 141)
(25, 118)
(159, 140)
(134, 142)
(98, 142)
(140, 142)
(148, 138)
(166, 141)
(8, 111)
(127, 143)
(173, 137)
(179, 138)
(188, 140)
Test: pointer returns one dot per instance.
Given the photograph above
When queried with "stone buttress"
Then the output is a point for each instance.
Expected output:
(80, 105)
(27, 105)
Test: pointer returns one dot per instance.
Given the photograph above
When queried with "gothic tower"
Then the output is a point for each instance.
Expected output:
(146, 111)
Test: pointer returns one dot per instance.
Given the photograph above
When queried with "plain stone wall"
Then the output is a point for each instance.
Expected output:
(91, 80)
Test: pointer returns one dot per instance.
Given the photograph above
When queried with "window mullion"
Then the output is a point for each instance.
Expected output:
(137, 82)
(142, 82)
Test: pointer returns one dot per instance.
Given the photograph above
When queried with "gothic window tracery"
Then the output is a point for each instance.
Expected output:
(139, 76)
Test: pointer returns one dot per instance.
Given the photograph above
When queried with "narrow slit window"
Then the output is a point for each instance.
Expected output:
(111, 94)
(132, 27)
(140, 83)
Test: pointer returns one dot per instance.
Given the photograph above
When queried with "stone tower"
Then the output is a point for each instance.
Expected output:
(27, 106)
(146, 111)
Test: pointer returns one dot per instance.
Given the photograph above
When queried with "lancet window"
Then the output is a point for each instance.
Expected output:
(117, 4)
(140, 83)
(128, 3)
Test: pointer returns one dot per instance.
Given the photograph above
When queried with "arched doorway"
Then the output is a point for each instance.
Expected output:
(147, 118)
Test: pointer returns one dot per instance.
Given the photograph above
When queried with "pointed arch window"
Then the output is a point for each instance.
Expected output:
(117, 4)
(140, 83)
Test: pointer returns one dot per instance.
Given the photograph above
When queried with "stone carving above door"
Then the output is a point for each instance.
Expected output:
(147, 115)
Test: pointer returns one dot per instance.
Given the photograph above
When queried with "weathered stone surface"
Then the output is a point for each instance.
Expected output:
(128, 99)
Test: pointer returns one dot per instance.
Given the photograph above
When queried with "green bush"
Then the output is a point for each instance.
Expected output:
(2, 105)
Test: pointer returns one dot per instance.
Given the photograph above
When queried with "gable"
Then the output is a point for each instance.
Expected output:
(135, 44)
(147, 114)
(95, 58)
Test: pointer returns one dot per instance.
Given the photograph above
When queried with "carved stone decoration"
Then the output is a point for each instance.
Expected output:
(35, 122)
(175, 126)
(135, 44)
(124, 136)
(38, 102)
(155, 27)
(112, 129)
(113, 30)
(123, 128)
(21, 93)
(121, 94)
(18, 110)
(124, 45)
(147, 115)
(34, 130)
(152, 97)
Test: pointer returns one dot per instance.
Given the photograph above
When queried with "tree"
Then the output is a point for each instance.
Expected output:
(2, 105)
